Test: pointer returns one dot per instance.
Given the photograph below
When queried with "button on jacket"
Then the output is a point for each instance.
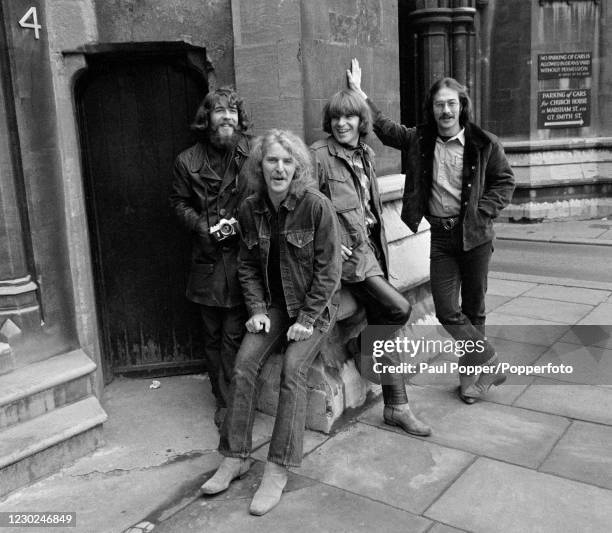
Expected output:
(200, 199)
(338, 181)
(488, 180)
(309, 256)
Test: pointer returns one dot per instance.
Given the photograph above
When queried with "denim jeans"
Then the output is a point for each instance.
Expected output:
(223, 330)
(387, 310)
(454, 273)
(288, 434)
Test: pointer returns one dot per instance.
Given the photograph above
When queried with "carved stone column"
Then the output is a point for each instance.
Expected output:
(444, 42)
(19, 307)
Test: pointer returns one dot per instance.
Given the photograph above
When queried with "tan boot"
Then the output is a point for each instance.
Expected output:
(229, 469)
(486, 381)
(402, 416)
(270, 489)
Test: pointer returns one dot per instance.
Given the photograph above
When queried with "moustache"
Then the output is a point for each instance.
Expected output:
(447, 115)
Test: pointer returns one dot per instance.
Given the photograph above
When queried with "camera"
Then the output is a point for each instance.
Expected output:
(225, 229)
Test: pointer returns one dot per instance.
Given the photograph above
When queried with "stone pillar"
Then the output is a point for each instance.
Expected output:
(19, 307)
(463, 44)
(445, 42)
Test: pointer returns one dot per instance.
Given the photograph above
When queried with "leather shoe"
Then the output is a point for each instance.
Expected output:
(467, 399)
(484, 384)
(270, 489)
(402, 416)
(229, 469)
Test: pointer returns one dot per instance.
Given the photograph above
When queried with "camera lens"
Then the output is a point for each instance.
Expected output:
(226, 229)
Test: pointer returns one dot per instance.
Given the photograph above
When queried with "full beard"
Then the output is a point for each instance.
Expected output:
(222, 141)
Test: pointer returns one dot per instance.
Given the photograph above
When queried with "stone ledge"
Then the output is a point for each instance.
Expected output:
(559, 210)
(44, 375)
(7, 358)
(334, 383)
(28, 439)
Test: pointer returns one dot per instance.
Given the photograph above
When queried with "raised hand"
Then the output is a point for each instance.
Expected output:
(353, 78)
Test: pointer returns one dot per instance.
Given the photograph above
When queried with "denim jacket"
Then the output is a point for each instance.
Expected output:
(337, 180)
(488, 180)
(310, 260)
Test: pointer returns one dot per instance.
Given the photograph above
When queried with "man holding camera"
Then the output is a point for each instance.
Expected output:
(207, 190)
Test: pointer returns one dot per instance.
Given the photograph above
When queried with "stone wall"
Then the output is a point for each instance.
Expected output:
(508, 108)
(205, 23)
(291, 56)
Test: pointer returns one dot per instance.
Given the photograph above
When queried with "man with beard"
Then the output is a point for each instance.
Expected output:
(207, 190)
(458, 178)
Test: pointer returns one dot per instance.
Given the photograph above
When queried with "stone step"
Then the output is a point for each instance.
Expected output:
(7, 358)
(41, 387)
(38, 447)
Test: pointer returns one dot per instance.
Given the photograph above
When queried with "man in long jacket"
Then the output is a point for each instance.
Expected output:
(458, 178)
(207, 191)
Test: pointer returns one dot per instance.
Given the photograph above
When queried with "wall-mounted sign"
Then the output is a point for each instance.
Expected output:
(564, 108)
(570, 65)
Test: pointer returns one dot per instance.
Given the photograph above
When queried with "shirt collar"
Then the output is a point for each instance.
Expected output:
(459, 137)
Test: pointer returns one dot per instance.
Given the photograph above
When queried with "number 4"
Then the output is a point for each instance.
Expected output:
(34, 25)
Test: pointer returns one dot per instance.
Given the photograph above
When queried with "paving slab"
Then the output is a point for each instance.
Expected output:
(568, 294)
(399, 470)
(494, 496)
(108, 501)
(443, 528)
(312, 439)
(516, 353)
(583, 402)
(525, 330)
(589, 335)
(140, 436)
(162, 441)
(562, 312)
(305, 507)
(493, 301)
(602, 314)
(515, 435)
(502, 287)
(591, 365)
(584, 454)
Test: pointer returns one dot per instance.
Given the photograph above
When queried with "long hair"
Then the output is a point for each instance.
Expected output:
(294, 145)
(464, 100)
(227, 96)
(347, 103)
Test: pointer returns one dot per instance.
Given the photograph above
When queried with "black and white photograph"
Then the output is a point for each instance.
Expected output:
(306, 266)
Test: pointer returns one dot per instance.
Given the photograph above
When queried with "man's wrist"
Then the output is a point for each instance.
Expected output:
(305, 320)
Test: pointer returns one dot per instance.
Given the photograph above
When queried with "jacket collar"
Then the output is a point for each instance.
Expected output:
(337, 150)
(289, 203)
(474, 135)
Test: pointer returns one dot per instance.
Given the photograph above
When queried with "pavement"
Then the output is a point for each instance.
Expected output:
(535, 456)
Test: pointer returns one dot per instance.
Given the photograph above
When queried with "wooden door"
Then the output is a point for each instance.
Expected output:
(134, 115)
